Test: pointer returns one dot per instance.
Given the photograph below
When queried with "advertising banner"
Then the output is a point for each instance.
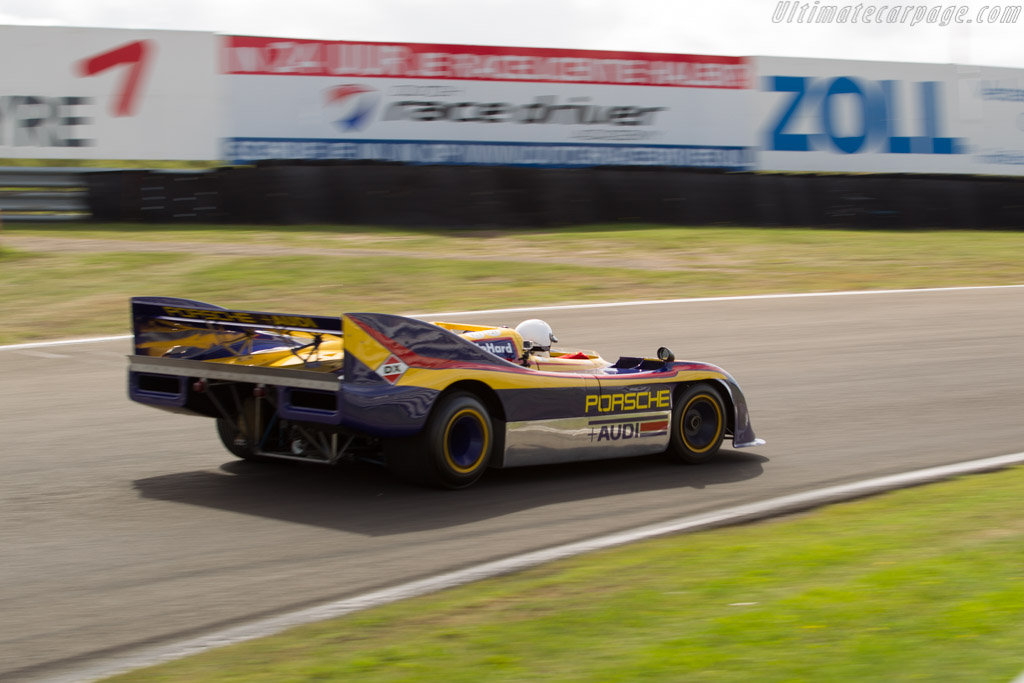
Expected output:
(996, 97)
(851, 116)
(452, 104)
(878, 117)
(79, 93)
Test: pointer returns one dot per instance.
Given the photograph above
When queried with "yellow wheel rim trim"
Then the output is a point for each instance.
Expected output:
(718, 415)
(487, 440)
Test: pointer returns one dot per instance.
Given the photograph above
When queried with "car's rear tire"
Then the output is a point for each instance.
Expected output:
(454, 449)
(236, 442)
(698, 425)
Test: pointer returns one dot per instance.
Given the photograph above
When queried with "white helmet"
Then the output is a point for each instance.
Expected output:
(537, 332)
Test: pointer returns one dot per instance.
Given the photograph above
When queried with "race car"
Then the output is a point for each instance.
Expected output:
(436, 402)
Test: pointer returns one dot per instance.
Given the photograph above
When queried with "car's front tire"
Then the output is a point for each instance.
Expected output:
(698, 425)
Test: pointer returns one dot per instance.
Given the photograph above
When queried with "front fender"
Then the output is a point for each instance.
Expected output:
(743, 431)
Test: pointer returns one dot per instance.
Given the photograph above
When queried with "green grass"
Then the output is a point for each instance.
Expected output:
(921, 584)
(332, 269)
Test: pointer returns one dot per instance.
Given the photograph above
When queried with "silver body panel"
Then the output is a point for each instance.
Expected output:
(284, 377)
(545, 442)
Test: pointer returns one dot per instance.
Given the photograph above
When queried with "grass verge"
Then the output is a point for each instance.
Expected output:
(72, 280)
(920, 584)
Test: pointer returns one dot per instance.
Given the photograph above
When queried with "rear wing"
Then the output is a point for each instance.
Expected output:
(187, 351)
(185, 338)
(183, 328)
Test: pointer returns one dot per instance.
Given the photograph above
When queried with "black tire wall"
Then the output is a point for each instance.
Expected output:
(362, 193)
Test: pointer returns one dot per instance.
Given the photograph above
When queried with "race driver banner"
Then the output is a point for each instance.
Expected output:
(449, 104)
(91, 94)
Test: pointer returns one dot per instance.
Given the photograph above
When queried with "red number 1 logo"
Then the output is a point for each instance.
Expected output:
(134, 54)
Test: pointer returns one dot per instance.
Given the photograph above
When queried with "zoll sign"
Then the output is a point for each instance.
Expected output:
(107, 94)
(455, 104)
(845, 116)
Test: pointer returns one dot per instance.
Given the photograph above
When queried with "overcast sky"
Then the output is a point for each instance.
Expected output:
(726, 27)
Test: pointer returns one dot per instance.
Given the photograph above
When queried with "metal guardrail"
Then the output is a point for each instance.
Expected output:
(43, 194)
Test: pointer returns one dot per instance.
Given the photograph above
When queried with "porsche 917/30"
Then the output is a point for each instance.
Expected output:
(438, 403)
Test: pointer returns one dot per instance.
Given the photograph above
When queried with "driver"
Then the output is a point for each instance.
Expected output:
(539, 334)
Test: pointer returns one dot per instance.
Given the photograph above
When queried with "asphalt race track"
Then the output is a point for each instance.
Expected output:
(122, 526)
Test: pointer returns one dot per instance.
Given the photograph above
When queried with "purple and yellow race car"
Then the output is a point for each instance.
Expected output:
(438, 403)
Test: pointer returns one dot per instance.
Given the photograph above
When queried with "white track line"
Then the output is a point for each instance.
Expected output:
(613, 304)
(63, 342)
(733, 515)
(696, 300)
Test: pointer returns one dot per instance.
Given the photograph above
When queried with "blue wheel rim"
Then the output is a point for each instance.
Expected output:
(466, 441)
